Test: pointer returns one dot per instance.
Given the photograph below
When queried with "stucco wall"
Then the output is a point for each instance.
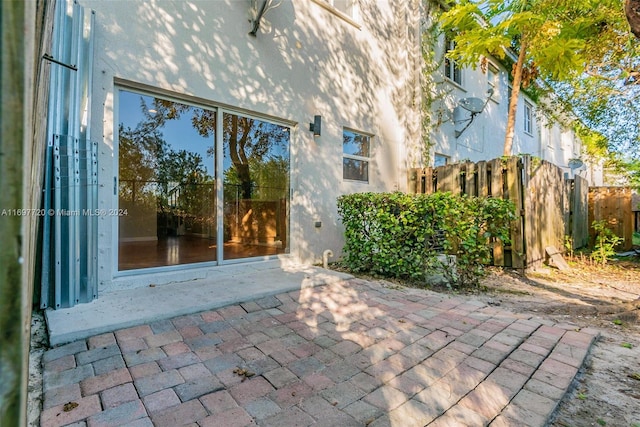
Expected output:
(304, 61)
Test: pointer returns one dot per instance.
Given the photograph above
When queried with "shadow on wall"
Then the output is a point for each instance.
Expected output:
(304, 61)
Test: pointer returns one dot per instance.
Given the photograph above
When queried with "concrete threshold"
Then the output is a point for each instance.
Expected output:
(226, 285)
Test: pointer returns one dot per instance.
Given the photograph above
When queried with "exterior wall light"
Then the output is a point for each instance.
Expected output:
(316, 126)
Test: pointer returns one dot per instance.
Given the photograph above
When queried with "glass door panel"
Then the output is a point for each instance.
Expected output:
(166, 182)
(255, 187)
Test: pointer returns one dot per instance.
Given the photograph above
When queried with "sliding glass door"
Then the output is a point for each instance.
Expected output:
(173, 209)
(256, 187)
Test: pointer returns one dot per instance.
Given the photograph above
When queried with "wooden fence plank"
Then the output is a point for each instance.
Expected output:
(470, 179)
(495, 189)
(497, 184)
(537, 188)
(514, 189)
(579, 213)
(612, 204)
(443, 178)
(429, 181)
(413, 180)
(531, 207)
(482, 179)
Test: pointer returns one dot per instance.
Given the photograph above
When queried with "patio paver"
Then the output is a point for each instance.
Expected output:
(351, 352)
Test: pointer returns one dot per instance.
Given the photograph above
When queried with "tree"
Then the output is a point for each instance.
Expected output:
(632, 10)
(557, 41)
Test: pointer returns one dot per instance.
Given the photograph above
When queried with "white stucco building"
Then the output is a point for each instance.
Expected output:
(186, 135)
(204, 153)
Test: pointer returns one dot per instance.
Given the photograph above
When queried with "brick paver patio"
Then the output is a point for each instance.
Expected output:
(354, 353)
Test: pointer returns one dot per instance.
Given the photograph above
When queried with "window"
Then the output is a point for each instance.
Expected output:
(492, 80)
(440, 160)
(528, 118)
(170, 161)
(452, 70)
(356, 152)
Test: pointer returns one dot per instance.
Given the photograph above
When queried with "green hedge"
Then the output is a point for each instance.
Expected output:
(399, 235)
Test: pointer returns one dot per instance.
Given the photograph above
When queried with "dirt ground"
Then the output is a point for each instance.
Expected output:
(607, 299)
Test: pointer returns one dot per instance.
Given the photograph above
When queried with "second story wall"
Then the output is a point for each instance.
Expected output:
(454, 137)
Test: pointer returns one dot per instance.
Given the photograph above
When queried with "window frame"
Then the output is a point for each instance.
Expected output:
(220, 110)
(350, 17)
(365, 159)
(493, 73)
(528, 118)
(451, 67)
(441, 156)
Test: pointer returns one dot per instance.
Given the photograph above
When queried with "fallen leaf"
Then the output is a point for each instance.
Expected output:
(69, 406)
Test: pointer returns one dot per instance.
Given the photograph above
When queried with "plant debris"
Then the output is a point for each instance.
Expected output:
(70, 406)
(244, 373)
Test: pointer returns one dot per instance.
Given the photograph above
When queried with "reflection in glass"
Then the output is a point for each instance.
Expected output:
(355, 164)
(166, 183)
(355, 169)
(256, 187)
(355, 143)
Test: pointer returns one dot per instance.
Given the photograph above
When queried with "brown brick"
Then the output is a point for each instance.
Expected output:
(57, 416)
(93, 385)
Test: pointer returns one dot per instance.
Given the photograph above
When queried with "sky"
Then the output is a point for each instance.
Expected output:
(179, 134)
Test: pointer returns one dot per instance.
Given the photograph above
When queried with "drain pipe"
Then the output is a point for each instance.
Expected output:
(325, 257)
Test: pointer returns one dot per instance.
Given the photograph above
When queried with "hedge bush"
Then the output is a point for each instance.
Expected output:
(399, 235)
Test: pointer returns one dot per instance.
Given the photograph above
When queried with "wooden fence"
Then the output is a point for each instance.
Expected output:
(548, 205)
(614, 205)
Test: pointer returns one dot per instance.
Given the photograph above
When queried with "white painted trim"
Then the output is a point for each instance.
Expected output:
(323, 4)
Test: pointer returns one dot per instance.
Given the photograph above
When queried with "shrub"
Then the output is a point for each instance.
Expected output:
(399, 235)
(606, 241)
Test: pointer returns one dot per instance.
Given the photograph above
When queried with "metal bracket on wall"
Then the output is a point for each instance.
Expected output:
(50, 58)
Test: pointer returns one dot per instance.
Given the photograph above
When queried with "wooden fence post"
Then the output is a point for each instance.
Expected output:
(514, 191)
(14, 318)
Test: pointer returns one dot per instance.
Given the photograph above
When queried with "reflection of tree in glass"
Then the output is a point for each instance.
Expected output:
(137, 156)
(271, 179)
(149, 167)
(355, 144)
(248, 141)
